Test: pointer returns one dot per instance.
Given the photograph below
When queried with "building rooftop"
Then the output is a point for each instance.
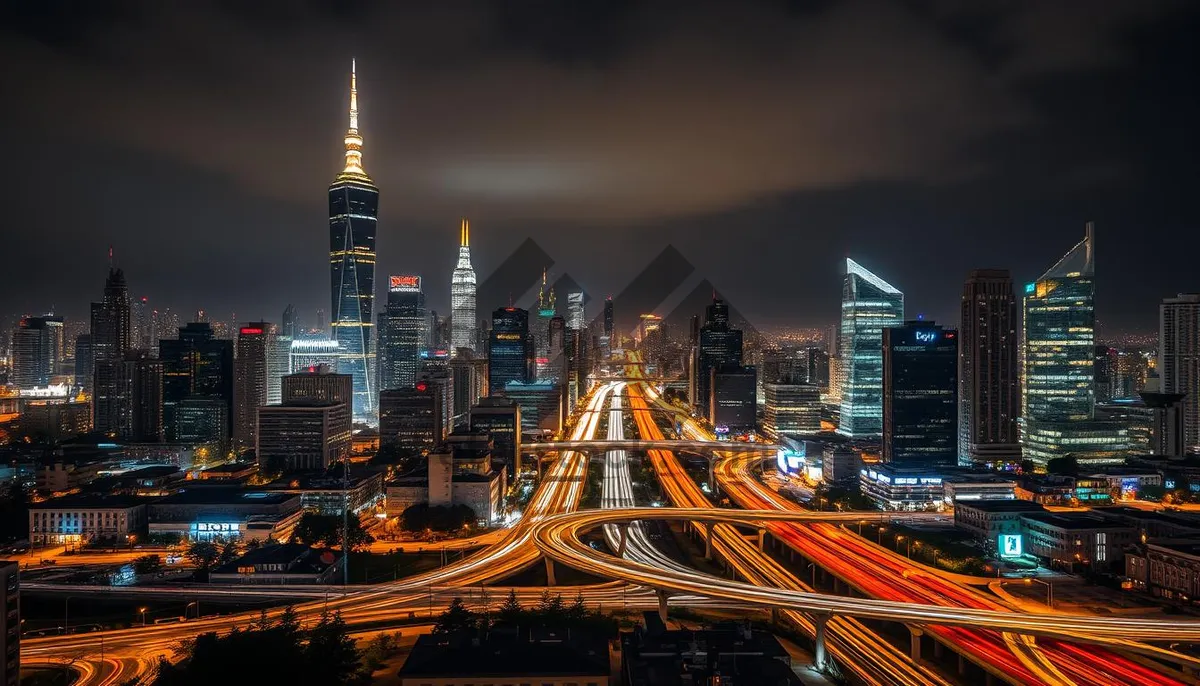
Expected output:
(231, 468)
(223, 495)
(1000, 505)
(1076, 520)
(300, 558)
(1184, 546)
(91, 500)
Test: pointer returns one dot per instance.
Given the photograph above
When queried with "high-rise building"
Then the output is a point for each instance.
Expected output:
(110, 341)
(577, 365)
(733, 398)
(817, 367)
(303, 436)
(255, 346)
(717, 345)
(869, 305)
(402, 333)
(608, 323)
(85, 368)
(310, 353)
(435, 375)
(791, 408)
(164, 324)
(290, 327)
(1059, 399)
(141, 323)
(10, 631)
(576, 315)
(318, 385)
(510, 349)
(988, 383)
(1179, 359)
(462, 295)
(410, 419)
(353, 215)
(468, 380)
(198, 374)
(540, 329)
(1132, 373)
(279, 356)
(143, 393)
(501, 419)
(541, 404)
(920, 395)
(37, 350)
(1106, 373)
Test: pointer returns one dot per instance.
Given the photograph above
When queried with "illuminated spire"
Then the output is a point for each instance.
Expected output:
(354, 140)
(464, 234)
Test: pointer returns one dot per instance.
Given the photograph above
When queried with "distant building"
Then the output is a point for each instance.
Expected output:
(510, 350)
(110, 337)
(1065, 539)
(1168, 569)
(791, 408)
(78, 519)
(281, 563)
(306, 354)
(85, 367)
(410, 420)
(224, 512)
(469, 380)
(733, 400)
(541, 404)
(142, 418)
(303, 436)
(37, 351)
(255, 345)
(403, 333)
(508, 655)
(717, 344)
(197, 372)
(462, 295)
(501, 418)
(1059, 402)
(1179, 360)
(818, 367)
(988, 380)
(318, 385)
(57, 419)
(461, 473)
(869, 305)
(920, 395)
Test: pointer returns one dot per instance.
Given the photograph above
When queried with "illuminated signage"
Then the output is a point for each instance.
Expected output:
(1010, 545)
(508, 336)
(251, 331)
(1030, 288)
(404, 283)
(789, 462)
(926, 336)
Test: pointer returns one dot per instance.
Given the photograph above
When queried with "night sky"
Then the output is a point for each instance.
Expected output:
(766, 141)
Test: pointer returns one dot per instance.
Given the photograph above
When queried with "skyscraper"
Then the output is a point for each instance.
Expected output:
(255, 346)
(988, 384)
(141, 323)
(576, 316)
(718, 345)
(1058, 404)
(462, 295)
(353, 215)
(869, 305)
(143, 393)
(608, 322)
(402, 333)
(541, 331)
(468, 380)
(110, 342)
(510, 349)
(197, 384)
(37, 348)
(1179, 360)
(920, 395)
(290, 326)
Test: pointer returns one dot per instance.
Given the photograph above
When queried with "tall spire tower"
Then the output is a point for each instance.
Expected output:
(463, 326)
(353, 212)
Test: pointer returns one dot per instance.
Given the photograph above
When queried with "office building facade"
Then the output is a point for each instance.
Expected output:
(920, 395)
(869, 305)
(988, 381)
(403, 333)
(143, 395)
(303, 437)
(110, 341)
(733, 399)
(791, 409)
(1179, 360)
(37, 351)
(717, 344)
(353, 217)
(510, 350)
(468, 380)
(319, 385)
(198, 368)
(255, 345)
(411, 420)
(501, 418)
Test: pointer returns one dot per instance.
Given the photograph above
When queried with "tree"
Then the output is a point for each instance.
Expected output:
(421, 516)
(202, 554)
(510, 610)
(147, 564)
(320, 530)
(1063, 466)
(332, 656)
(456, 620)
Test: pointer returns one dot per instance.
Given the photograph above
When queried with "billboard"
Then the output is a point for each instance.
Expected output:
(1010, 545)
(404, 283)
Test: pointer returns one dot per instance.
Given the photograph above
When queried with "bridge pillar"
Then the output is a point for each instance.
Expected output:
(937, 648)
(712, 476)
(550, 573)
(624, 529)
(819, 621)
(962, 665)
(915, 646)
(762, 537)
(708, 547)
(662, 604)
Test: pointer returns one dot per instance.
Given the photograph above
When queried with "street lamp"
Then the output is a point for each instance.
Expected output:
(142, 611)
(1029, 581)
(908, 546)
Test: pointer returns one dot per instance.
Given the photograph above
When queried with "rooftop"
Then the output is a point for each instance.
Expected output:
(1000, 505)
(223, 495)
(231, 468)
(90, 500)
(507, 658)
(1076, 520)
(307, 560)
(1185, 546)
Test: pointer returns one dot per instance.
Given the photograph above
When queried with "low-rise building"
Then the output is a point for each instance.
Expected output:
(329, 495)
(284, 563)
(723, 654)
(978, 486)
(1156, 523)
(1166, 569)
(547, 657)
(993, 520)
(230, 471)
(902, 488)
(228, 513)
(1065, 539)
(80, 518)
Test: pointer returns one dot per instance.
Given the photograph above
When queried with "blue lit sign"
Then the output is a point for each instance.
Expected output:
(1010, 545)
(1030, 288)
(926, 336)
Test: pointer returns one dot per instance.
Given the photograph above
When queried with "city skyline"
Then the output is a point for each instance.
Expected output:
(1040, 171)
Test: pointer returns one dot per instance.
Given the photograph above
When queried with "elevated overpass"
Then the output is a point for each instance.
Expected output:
(709, 450)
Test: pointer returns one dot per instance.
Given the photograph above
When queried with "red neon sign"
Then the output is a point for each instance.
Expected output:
(249, 331)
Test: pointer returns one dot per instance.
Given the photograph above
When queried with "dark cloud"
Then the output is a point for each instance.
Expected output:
(618, 119)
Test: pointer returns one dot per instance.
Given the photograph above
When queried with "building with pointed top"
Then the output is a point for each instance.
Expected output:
(110, 341)
(463, 333)
(353, 215)
(869, 305)
(1058, 404)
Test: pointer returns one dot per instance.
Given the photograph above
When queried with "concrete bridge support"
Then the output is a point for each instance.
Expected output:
(708, 546)
(662, 604)
(819, 655)
(624, 529)
(550, 573)
(915, 647)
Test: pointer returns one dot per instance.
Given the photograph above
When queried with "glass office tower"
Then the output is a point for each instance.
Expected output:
(1059, 400)
(353, 210)
(920, 395)
(403, 332)
(510, 349)
(869, 304)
